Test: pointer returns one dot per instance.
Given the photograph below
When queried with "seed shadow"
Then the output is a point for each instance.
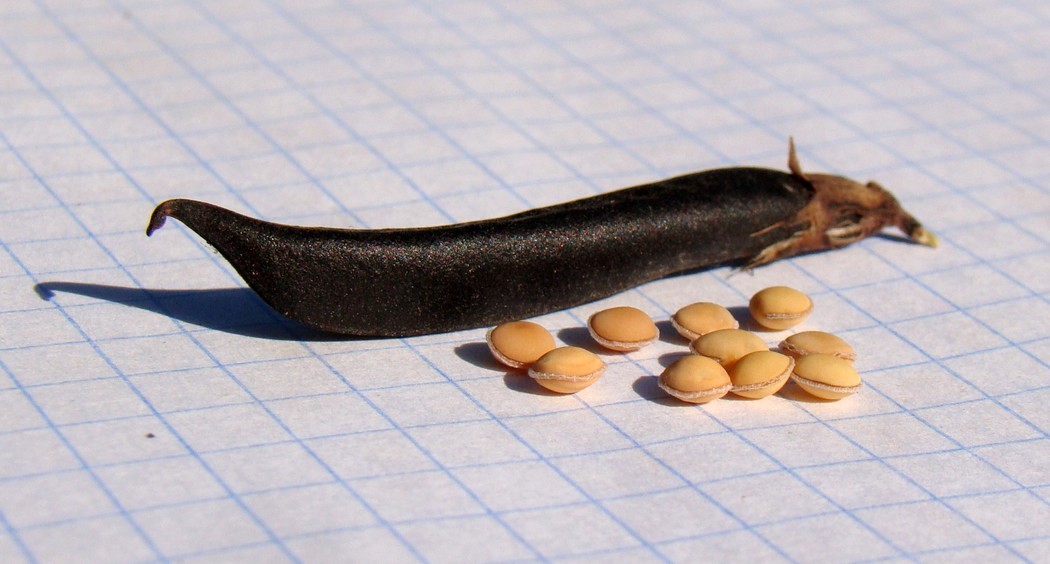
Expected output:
(647, 389)
(742, 315)
(520, 382)
(580, 337)
(669, 334)
(239, 311)
(479, 355)
(668, 359)
(794, 392)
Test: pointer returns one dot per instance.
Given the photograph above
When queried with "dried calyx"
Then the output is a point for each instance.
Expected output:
(842, 211)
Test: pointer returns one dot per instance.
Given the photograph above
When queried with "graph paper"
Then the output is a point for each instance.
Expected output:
(153, 408)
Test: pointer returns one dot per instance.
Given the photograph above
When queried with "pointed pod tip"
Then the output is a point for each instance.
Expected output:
(924, 237)
(160, 213)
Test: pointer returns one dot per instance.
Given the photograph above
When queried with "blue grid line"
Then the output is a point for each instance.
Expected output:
(958, 376)
(16, 538)
(259, 522)
(671, 20)
(996, 260)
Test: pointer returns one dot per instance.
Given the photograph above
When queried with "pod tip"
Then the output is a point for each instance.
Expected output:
(924, 237)
(160, 213)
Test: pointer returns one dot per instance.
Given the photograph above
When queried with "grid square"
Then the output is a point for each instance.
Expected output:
(165, 353)
(637, 473)
(897, 301)
(474, 539)
(310, 509)
(155, 483)
(939, 387)
(404, 407)
(948, 335)
(18, 413)
(672, 515)
(78, 540)
(227, 427)
(372, 544)
(123, 440)
(863, 484)
(713, 457)
(198, 527)
(828, 537)
(519, 486)
(979, 423)
(371, 369)
(470, 443)
(1019, 461)
(1017, 515)
(984, 285)
(189, 389)
(545, 530)
(36, 328)
(738, 546)
(539, 432)
(767, 498)
(952, 473)
(1017, 320)
(39, 451)
(267, 467)
(328, 415)
(422, 495)
(371, 454)
(649, 422)
(89, 400)
(985, 370)
(924, 526)
(808, 444)
(893, 435)
(276, 379)
(53, 498)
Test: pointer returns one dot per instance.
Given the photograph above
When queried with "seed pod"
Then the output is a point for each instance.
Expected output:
(401, 282)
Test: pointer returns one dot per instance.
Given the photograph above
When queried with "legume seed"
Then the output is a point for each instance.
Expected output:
(518, 344)
(825, 376)
(817, 342)
(622, 328)
(726, 346)
(567, 370)
(780, 307)
(695, 379)
(760, 374)
(701, 318)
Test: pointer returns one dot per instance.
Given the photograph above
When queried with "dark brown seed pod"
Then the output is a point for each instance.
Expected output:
(402, 282)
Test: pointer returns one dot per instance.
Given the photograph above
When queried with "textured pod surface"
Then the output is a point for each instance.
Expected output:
(402, 282)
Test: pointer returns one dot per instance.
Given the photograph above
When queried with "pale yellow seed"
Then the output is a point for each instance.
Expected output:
(518, 344)
(780, 307)
(622, 328)
(701, 318)
(695, 379)
(825, 376)
(760, 374)
(726, 346)
(817, 342)
(567, 370)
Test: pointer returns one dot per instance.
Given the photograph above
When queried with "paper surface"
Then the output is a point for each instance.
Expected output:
(153, 408)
